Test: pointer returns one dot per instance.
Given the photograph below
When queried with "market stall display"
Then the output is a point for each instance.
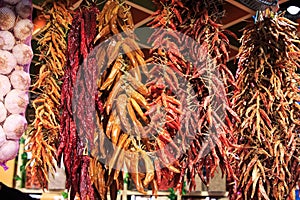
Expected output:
(115, 112)
(15, 57)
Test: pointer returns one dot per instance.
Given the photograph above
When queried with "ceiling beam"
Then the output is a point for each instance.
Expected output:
(234, 47)
(232, 58)
(241, 6)
(139, 7)
(234, 22)
(283, 1)
(144, 21)
(245, 8)
(144, 46)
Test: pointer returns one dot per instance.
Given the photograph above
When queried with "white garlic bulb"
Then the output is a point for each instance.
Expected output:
(23, 53)
(7, 62)
(24, 8)
(8, 150)
(14, 126)
(23, 29)
(20, 80)
(7, 18)
(7, 40)
(16, 101)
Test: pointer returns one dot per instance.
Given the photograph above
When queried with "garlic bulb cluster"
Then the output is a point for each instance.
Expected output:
(15, 58)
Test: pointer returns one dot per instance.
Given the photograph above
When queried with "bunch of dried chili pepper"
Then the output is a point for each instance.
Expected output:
(44, 131)
(76, 135)
(268, 157)
(206, 123)
(121, 99)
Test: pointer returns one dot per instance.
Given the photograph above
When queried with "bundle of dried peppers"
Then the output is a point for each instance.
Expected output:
(75, 133)
(44, 131)
(120, 101)
(267, 160)
(199, 55)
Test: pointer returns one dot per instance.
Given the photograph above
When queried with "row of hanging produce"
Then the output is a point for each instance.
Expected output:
(163, 115)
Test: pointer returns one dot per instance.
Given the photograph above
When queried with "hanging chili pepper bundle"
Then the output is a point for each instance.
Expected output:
(214, 108)
(76, 134)
(121, 63)
(266, 97)
(207, 119)
(165, 115)
(43, 136)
